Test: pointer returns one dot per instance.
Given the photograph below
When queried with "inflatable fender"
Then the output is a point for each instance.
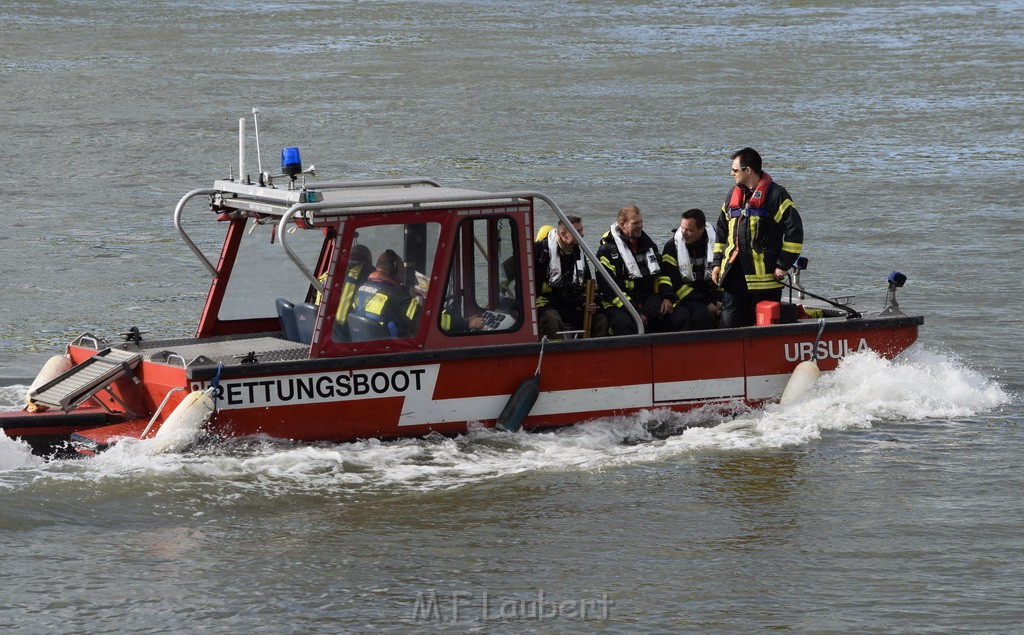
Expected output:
(519, 405)
(52, 369)
(803, 379)
(185, 424)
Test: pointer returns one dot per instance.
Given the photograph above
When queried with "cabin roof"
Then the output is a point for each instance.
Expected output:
(378, 196)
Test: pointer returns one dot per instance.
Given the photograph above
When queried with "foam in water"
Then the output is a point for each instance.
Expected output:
(15, 454)
(12, 397)
(864, 390)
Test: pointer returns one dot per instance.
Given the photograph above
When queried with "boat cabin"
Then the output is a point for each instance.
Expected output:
(461, 254)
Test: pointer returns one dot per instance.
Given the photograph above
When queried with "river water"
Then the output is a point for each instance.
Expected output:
(887, 501)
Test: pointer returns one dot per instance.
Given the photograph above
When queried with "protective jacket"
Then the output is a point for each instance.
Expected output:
(381, 298)
(636, 287)
(697, 285)
(560, 278)
(354, 277)
(758, 230)
(452, 320)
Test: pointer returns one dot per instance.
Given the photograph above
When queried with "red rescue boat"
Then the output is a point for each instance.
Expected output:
(273, 355)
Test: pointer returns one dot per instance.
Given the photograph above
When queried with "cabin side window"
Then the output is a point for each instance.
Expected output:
(483, 289)
(386, 281)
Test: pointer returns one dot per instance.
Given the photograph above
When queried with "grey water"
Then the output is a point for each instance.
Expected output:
(888, 501)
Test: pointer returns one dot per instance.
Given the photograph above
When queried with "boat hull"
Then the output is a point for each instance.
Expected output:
(49, 433)
(579, 380)
(414, 394)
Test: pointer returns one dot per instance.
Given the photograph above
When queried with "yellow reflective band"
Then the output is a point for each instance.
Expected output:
(348, 293)
(763, 286)
(762, 282)
(375, 305)
(412, 309)
(786, 204)
(320, 296)
(759, 266)
(793, 248)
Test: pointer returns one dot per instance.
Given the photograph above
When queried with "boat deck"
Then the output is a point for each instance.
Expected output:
(230, 351)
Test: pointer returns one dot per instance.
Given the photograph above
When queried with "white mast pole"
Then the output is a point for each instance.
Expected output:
(241, 149)
(256, 126)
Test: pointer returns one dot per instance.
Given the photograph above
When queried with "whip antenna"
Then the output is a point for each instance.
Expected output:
(256, 126)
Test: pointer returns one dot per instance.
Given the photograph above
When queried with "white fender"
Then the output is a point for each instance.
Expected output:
(803, 378)
(52, 369)
(185, 424)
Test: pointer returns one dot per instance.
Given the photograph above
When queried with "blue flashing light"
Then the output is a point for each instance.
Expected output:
(897, 279)
(291, 162)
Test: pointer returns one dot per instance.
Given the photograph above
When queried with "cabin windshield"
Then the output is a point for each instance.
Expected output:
(386, 281)
(262, 271)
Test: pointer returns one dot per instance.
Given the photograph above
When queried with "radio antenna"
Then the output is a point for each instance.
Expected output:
(256, 125)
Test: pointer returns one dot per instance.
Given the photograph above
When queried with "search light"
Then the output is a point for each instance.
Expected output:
(897, 279)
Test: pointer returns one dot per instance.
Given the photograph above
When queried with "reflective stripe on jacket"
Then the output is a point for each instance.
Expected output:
(761, 242)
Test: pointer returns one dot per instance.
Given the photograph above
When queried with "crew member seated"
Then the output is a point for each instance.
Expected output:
(562, 275)
(685, 270)
(453, 323)
(359, 268)
(384, 299)
(631, 258)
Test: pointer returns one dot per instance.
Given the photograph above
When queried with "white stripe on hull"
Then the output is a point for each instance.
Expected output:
(416, 384)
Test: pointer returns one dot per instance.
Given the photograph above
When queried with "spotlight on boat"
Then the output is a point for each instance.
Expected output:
(800, 264)
(892, 307)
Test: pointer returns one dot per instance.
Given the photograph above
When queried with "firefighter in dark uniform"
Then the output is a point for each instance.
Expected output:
(631, 257)
(562, 272)
(360, 264)
(685, 269)
(385, 298)
(758, 237)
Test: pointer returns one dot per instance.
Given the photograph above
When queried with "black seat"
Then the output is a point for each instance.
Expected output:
(365, 329)
(286, 314)
(305, 318)
(340, 333)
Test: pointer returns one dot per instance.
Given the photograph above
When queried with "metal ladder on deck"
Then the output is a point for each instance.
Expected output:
(88, 378)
